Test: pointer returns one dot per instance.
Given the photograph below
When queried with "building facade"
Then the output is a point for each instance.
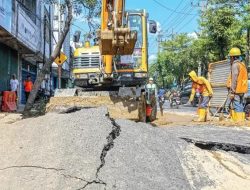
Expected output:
(26, 41)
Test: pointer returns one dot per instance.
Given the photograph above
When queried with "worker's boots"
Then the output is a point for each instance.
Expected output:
(202, 113)
(237, 116)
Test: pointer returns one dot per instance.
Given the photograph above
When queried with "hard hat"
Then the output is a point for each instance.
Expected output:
(234, 52)
(151, 79)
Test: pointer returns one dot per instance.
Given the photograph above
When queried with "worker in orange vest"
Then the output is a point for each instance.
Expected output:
(237, 84)
(202, 88)
(28, 85)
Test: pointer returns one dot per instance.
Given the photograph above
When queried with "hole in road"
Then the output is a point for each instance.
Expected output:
(74, 109)
(208, 145)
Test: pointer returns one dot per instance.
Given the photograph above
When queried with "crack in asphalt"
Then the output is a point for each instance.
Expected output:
(93, 182)
(209, 145)
(116, 130)
(56, 170)
(30, 166)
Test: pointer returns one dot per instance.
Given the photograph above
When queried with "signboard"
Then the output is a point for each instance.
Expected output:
(5, 14)
(28, 32)
(61, 59)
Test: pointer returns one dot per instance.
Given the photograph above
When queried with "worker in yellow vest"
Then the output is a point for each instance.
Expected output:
(202, 88)
(237, 84)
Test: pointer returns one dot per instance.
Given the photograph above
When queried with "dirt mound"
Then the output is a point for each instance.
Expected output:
(127, 109)
(117, 107)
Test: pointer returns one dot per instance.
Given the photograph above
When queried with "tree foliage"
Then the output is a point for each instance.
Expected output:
(224, 24)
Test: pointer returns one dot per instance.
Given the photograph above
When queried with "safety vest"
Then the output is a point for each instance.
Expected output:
(242, 80)
(28, 86)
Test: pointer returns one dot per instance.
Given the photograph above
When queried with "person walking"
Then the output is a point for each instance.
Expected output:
(201, 87)
(28, 85)
(237, 84)
(14, 84)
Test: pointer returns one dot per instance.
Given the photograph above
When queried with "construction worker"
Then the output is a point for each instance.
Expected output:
(28, 85)
(201, 87)
(237, 84)
(151, 89)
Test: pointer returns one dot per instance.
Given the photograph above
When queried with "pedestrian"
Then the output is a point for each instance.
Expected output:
(161, 93)
(28, 85)
(201, 87)
(14, 84)
(237, 84)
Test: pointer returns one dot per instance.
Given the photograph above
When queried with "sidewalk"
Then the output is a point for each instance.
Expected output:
(11, 117)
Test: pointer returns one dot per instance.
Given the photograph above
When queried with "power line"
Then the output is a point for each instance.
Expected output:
(178, 17)
(186, 23)
(169, 9)
(172, 13)
(79, 27)
(180, 20)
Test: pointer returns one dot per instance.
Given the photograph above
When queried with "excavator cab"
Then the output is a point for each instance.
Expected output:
(115, 36)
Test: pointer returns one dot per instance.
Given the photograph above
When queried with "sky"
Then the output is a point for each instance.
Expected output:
(173, 16)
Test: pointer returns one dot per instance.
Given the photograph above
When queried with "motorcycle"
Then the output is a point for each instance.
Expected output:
(175, 101)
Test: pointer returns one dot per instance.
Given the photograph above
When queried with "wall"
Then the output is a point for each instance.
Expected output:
(8, 66)
(5, 14)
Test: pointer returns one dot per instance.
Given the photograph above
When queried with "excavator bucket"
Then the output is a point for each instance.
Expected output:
(120, 41)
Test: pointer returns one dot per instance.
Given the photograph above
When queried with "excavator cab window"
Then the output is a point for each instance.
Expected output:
(135, 23)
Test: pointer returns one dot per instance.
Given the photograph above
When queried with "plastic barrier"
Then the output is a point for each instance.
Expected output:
(9, 101)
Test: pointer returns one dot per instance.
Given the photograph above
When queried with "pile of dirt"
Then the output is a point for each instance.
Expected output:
(127, 109)
(173, 119)
(117, 107)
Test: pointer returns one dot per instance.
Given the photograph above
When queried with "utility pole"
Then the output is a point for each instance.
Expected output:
(159, 41)
(59, 68)
(202, 4)
(50, 51)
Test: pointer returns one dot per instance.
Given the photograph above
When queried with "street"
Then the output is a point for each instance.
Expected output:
(81, 83)
(86, 149)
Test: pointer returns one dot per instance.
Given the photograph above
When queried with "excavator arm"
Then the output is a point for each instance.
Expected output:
(115, 36)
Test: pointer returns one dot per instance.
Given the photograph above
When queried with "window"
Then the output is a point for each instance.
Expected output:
(30, 8)
(135, 23)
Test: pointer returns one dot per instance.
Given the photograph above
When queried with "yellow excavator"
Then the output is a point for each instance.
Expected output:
(89, 67)
(122, 58)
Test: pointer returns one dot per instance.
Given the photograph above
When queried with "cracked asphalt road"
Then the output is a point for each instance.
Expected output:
(88, 150)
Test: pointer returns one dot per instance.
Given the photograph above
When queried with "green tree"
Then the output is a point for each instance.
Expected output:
(223, 24)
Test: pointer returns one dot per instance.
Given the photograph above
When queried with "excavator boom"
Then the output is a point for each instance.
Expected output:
(115, 36)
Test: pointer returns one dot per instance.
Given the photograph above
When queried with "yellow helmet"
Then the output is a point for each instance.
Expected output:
(234, 52)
